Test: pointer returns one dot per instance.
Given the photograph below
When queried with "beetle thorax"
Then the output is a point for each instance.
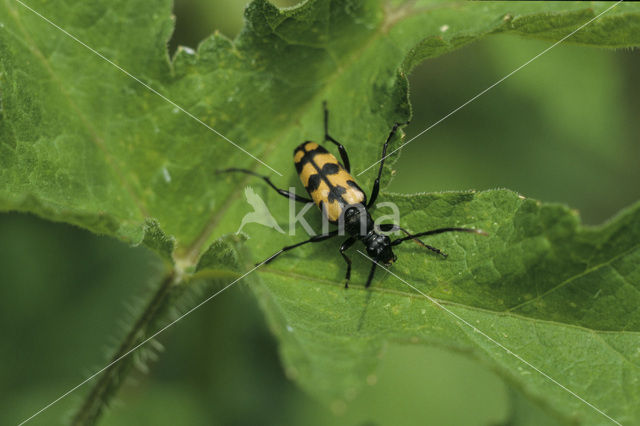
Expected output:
(357, 221)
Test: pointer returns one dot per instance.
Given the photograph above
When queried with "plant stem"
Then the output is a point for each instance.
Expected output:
(110, 381)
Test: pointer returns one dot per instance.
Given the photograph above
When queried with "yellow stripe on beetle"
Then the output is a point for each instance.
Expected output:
(307, 171)
(298, 156)
(330, 186)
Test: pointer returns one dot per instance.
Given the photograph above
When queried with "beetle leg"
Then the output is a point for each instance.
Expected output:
(390, 227)
(314, 239)
(282, 192)
(343, 151)
(345, 246)
(376, 184)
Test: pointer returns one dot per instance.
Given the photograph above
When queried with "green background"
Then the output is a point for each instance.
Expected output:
(563, 129)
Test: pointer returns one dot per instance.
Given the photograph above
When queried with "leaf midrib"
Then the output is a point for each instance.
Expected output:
(417, 296)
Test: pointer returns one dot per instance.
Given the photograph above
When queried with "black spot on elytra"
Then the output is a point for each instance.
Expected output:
(330, 169)
(314, 182)
(335, 193)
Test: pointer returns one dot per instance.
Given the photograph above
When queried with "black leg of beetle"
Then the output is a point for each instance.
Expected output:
(433, 232)
(266, 179)
(376, 184)
(371, 272)
(343, 152)
(345, 246)
(314, 239)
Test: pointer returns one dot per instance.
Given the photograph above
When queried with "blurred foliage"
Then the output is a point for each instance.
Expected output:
(562, 129)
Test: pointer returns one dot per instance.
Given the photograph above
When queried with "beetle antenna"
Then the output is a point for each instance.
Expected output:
(437, 231)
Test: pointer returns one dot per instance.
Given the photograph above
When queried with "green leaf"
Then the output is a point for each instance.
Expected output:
(561, 296)
(86, 144)
(82, 142)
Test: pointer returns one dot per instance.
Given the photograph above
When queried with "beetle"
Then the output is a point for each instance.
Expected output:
(344, 203)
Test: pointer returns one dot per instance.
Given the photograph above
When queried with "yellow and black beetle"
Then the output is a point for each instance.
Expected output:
(335, 192)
